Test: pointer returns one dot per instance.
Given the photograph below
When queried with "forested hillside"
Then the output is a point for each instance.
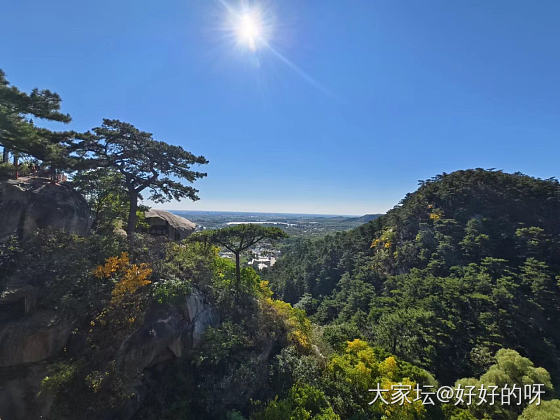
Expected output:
(446, 289)
(462, 267)
(458, 285)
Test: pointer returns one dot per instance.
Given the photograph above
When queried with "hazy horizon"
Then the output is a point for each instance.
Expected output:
(258, 212)
(296, 208)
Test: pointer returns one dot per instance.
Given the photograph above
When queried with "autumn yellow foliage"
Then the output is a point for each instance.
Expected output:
(295, 320)
(436, 215)
(112, 265)
(360, 368)
(386, 239)
(131, 277)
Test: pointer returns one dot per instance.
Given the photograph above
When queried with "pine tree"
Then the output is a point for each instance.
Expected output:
(144, 163)
(18, 133)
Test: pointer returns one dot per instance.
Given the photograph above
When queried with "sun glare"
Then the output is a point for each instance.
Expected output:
(249, 29)
(252, 26)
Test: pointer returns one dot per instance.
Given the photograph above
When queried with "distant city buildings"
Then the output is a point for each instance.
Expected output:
(263, 262)
(264, 256)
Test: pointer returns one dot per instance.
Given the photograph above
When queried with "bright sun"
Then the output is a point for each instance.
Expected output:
(249, 29)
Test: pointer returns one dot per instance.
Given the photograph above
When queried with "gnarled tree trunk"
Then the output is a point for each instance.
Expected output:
(131, 226)
(237, 273)
(16, 165)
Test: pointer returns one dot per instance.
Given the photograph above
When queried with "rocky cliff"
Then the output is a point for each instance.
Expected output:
(30, 344)
(28, 204)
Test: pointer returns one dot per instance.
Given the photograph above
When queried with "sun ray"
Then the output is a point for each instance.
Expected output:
(251, 29)
(299, 71)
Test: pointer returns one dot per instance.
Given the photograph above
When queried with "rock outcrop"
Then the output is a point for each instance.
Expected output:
(167, 332)
(27, 345)
(30, 343)
(28, 204)
(32, 338)
(168, 224)
(19, 390)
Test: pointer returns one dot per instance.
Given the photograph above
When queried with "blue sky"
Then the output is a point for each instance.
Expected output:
(378, 95)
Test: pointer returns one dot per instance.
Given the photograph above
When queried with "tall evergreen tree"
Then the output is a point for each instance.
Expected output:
(144, 163)
(19, 134)
(238, 239)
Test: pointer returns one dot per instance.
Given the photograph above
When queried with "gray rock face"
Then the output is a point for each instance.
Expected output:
(201, 315)
(32, 338)
(27, 204)
(19, 389)
(167, 332)
(30, 343)
(26, 345)
(168, 224)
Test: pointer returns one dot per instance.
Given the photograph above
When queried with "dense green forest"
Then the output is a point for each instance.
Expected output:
(462, 267)
(456, 286)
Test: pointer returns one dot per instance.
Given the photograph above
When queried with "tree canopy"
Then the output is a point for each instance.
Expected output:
(104, 190)
(143, 163)
(19, 134)
(239, 238)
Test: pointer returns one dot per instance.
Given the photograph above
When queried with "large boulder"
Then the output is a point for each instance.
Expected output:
(168, 332)
(32, 338)
(161, 222)
(28, 204)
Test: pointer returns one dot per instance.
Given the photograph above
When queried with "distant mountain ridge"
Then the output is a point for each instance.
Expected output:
(365, 218)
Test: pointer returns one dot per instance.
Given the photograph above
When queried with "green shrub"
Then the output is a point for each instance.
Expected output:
(7, 170)
(171, 290)
(60, 375)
